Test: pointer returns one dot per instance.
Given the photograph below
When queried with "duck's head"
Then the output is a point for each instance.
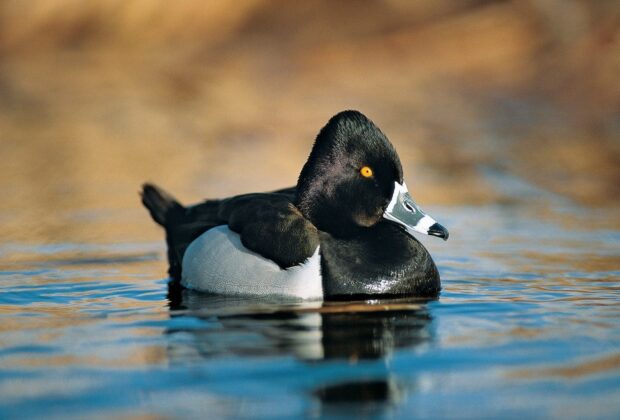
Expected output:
(353, 179)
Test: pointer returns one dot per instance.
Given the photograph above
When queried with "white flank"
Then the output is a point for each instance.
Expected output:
(217, 262)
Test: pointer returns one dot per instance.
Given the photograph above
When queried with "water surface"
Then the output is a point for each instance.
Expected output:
(526, 326)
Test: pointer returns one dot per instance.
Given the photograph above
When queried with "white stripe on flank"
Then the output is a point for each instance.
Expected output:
(217, 262)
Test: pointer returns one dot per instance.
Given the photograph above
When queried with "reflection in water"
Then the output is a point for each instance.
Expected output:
(358, 333)
(371, 335)
(365, 336)
(370, 397)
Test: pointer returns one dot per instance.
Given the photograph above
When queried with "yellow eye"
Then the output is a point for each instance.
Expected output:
(366, 172)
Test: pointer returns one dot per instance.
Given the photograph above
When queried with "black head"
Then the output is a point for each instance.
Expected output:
(348, 180)
(353, 179)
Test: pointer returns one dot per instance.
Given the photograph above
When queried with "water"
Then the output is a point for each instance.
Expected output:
(526, 326)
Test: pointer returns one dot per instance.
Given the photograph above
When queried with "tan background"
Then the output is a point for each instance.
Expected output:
(486, 101)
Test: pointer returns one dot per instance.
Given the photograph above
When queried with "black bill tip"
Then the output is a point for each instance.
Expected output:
(439, 231)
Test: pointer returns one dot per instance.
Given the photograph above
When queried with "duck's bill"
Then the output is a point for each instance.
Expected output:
(404, 211)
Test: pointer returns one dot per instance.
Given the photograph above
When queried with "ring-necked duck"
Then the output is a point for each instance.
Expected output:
(345, 231)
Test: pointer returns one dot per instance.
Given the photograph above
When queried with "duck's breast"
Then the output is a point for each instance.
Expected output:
(217, 262)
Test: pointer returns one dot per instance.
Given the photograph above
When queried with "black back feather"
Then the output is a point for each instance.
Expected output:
(268, 223)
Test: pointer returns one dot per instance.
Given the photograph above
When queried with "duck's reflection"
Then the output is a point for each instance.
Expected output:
(360, 334)
(375, 333)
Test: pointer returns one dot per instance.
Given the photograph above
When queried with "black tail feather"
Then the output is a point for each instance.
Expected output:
(182, 224)
(160, 204)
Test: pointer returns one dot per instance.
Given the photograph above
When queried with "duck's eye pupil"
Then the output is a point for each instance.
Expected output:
(366, 172)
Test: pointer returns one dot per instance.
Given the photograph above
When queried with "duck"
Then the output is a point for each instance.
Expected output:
(345, 231)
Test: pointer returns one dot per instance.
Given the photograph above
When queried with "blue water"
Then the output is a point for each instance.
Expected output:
(526, 327)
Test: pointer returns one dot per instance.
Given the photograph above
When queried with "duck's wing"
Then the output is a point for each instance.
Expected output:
(268, 224)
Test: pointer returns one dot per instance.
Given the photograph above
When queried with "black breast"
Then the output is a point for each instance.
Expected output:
(382, 260)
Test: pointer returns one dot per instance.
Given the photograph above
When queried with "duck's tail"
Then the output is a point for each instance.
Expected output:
(160, 204)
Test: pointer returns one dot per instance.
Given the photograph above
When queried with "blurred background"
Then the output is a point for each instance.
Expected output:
(487, 102)
(506, 116)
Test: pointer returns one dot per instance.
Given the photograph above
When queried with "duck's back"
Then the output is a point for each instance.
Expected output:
(268, 224)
